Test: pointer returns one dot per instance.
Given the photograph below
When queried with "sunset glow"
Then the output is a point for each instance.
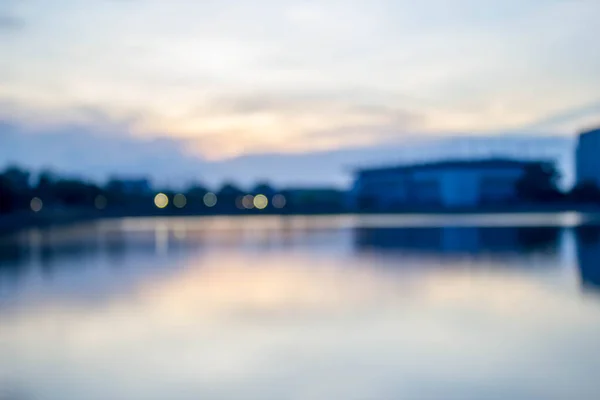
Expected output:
(236, 77)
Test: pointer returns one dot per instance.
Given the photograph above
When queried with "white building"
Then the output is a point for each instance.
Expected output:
(449, 184)
(587, 157)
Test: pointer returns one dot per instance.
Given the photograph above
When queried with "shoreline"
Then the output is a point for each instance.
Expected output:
(13, 223)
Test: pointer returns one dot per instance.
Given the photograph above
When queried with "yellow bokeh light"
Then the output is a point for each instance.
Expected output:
(261, 202)
(210, 199)
(161, 200)
(179, 200)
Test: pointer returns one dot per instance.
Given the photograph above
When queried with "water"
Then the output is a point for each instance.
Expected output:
(306, 309)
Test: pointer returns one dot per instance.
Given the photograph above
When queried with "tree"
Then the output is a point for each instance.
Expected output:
(75, 193)
(8, 195)
(539, 183)
(196, 190)
(45, 186)
(229, 195)
(116, 186)
(46, 179)
(230, 190)
(18, 178)
(585, 192)
(15, 191)
(264, 188)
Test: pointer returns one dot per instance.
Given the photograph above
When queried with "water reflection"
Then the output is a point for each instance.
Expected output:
(470, 241)
(178, 310)
(51, 252)
(588, 255)
(513, 245)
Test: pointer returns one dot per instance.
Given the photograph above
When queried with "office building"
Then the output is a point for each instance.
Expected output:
(447, 184)
(587, 158)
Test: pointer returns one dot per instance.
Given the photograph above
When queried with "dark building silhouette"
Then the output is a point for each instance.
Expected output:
(447, 184)
(587, 159)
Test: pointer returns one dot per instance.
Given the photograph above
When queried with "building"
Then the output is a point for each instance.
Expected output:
(587, 157)
(447, 184)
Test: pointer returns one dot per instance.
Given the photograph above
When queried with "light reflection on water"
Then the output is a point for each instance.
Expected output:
(324, 308)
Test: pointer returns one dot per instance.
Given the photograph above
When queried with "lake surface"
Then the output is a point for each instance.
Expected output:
(321, 308)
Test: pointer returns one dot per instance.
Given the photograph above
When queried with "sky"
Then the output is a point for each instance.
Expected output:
(216, 88)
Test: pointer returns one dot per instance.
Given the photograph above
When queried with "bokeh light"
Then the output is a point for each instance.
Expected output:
(239, 202)
(100, 202)
(261, 201)
(248, 201)
(279, 201)
(161, 200)
(179, 200)
(36, 204)
(210, 199)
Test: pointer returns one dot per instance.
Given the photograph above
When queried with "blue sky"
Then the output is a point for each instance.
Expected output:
(212, 81)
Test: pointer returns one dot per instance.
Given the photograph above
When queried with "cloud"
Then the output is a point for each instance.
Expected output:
(96, 153)
(10, 18)
(101, 151)
(218, 80)
(9, 23)
(293, 122)
(273, 75)
(586, 114)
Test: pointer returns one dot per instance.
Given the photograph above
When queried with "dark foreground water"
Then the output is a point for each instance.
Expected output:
(302, 309)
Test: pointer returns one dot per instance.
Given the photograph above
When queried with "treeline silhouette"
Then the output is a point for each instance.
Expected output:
(21, 192)
(46, 193)
(540, 185)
